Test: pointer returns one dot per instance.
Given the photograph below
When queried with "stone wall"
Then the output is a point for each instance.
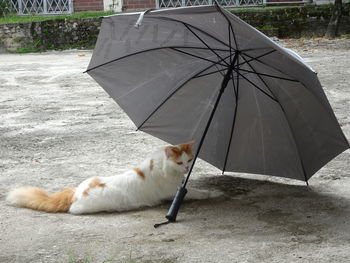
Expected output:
(82, 33)
(51, 34)
(296, 22)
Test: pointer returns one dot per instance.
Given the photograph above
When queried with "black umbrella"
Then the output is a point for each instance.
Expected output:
(202, 74)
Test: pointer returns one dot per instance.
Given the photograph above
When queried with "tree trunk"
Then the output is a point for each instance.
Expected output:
(332, 29)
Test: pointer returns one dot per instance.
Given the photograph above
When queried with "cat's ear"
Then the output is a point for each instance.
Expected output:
(186, 147)
(171, 151)
(190, 144)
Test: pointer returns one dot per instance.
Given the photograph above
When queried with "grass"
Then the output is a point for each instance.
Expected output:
(345, 36)
(23, 50)
(13, 18)
(260, 9)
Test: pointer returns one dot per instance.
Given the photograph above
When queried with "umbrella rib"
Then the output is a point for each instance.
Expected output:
(172, 93)
(256, 86)
(282, 73)
(229, 23)
(229, 42)
(212, 61)
(254, 49)
(257, 59)
(262, 80)
(266, 75)
(288, 75)
(146, 50)
(216, 71)
(233, 82)
(236, 91)
(296, 146)
(186, 24)
(204, 48)
(234, 35)
(213, 72)
(188, 27)
(221, 91)
(284, 114)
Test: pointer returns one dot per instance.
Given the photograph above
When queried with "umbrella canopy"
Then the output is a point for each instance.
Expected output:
(202, 74)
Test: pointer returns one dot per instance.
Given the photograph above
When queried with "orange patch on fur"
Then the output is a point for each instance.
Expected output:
(175, 152)
(62, 200)
(187, 148)
(139, 172)
(95, 182)
(151, 164)
(38, 199)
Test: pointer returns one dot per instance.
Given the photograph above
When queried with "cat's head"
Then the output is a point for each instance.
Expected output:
(179, 157)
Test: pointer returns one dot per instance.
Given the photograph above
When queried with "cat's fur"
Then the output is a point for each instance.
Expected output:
(155, 180)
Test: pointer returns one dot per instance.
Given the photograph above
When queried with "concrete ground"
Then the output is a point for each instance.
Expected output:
(58, 127)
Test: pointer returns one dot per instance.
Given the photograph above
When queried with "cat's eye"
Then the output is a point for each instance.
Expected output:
(190, 160)
(179, 163)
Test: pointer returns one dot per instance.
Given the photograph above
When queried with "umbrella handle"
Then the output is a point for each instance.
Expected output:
(175, 206)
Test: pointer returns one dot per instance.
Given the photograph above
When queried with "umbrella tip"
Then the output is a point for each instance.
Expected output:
(142, 14)
(139, 20)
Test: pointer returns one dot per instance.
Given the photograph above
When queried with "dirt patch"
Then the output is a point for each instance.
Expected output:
(59, 127)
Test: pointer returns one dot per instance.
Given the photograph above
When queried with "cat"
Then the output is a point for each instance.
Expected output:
(154, 181)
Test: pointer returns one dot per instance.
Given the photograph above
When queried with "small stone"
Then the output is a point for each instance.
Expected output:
(168, 240)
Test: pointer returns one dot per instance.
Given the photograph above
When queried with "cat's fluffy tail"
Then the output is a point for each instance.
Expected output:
(37, 199)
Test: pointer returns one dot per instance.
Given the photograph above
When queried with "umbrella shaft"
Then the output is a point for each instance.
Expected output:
(222, 89)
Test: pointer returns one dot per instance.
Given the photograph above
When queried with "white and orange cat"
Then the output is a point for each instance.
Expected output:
(154, 181)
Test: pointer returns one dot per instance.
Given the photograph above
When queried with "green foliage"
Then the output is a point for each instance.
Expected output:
(260, 9)
(9, 19)
(345, 36)
(5, 8)
(25, 50)
(33, 47)
(17, 39)
(267, 27)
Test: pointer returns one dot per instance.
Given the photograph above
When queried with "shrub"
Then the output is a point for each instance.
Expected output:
(6, 7)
